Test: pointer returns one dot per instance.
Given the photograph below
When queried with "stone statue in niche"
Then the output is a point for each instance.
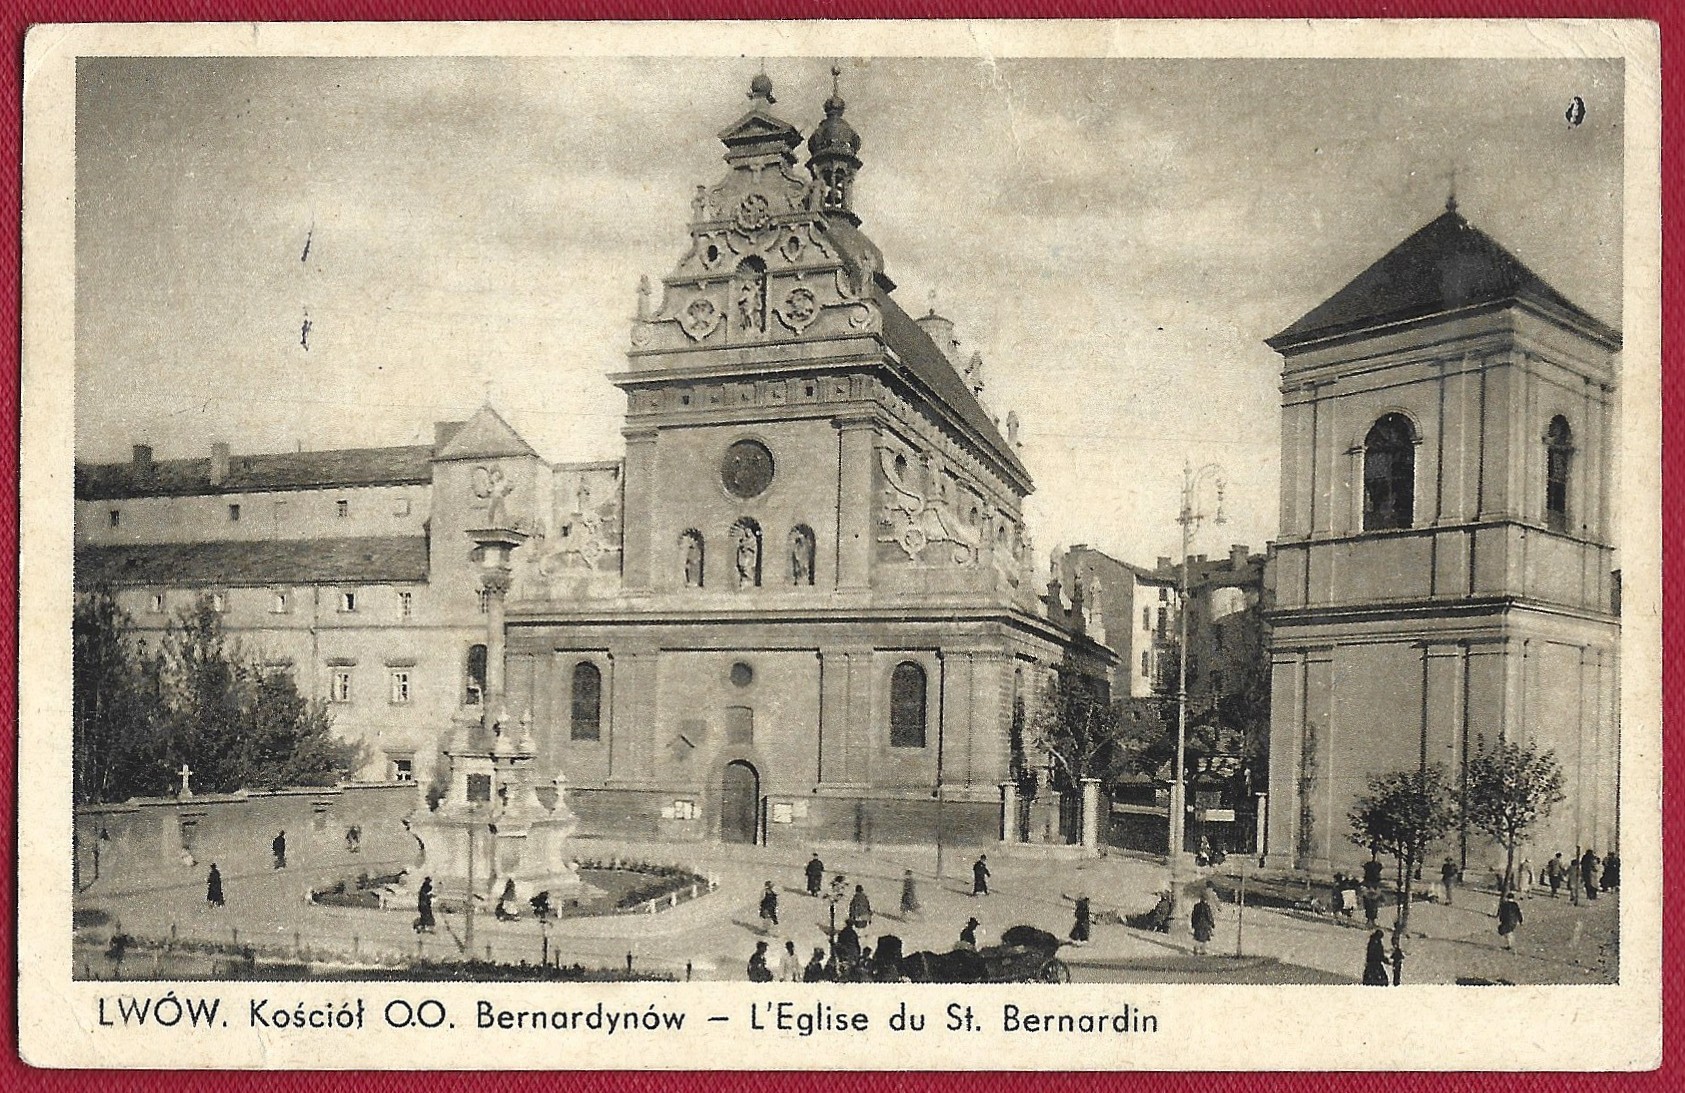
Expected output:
(751, 297)
(699, 205)
(690, 548)
(801, 556)
(748, 557)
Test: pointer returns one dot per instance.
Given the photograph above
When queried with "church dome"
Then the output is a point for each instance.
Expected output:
(834, 134)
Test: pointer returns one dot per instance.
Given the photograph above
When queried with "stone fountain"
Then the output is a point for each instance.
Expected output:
(492, 826)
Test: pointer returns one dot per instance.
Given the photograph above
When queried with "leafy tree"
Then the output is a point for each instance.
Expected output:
(1076, 723)
(199, 699)
(1403, 814)
(1510, 789)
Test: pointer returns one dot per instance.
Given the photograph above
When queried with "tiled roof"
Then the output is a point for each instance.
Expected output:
(1448, 264)
(936, 372)
(247, 473)
(262, 562)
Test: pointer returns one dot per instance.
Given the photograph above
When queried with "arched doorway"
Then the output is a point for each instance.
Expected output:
(740, 800)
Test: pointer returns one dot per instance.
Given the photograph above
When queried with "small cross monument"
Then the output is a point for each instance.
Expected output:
(186, 773)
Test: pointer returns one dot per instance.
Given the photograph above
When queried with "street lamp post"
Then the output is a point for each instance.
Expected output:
(1190, 518)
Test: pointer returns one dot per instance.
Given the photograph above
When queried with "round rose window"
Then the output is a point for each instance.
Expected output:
(747, 469)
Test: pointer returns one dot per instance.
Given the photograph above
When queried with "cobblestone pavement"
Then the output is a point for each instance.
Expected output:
(713, 935)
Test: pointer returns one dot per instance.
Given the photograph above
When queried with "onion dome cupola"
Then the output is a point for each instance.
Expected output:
(832, 158)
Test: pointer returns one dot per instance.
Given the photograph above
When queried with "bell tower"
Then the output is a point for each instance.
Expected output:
(832, 156)
(1444, 569)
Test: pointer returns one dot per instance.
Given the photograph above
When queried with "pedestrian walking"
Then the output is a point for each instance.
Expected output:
(1397, 958)
(424, 907)
(1204, 923)
(968, 935)
(1448, 879)
(980, 875)
(1509, 919)
(758, 970)
(1370, 894)
(1526, 874)
(1375, 960)
(1572, 870)
(839, 888)
(789, 964)
(769, 907)
(1611, 871)
(815, 874)
(1554, 869)
(213, 887)
(279, 848)
(909, 895)
(860, 909)
(1588, 873)
(1080, 927)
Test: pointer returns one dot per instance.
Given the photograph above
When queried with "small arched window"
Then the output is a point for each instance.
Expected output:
(587, 701)
(907, 706)
(474, 676)
(1559, 457)
(1389, 474)
(691, 558)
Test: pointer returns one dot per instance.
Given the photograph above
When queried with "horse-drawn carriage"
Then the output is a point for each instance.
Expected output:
(1025, 955)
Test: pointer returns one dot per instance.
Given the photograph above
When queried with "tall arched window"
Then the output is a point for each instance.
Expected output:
(587, 701)
(1559, 456)
(801, 555)
(906, 706)
(474, 676)
(1389, 474)
(691, 558)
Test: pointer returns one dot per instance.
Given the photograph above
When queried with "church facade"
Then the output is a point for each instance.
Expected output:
(821, 622)
(1444, 577)
(800, 607)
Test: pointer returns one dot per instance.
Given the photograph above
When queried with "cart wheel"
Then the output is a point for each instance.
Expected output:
(1055, 971)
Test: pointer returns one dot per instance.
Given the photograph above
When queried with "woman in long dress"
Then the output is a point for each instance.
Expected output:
(909, 895)
(1204, 922)
(1079, 928)
(213, 886)
(860, 909)
(424, 907)
(1375, 960)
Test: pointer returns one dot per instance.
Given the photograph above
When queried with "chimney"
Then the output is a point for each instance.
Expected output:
(143, 459)
(1163, 562)
(219, 463)
(1238, 553)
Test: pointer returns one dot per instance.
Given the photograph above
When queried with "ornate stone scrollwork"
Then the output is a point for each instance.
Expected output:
(914, 521)
(700, 318)
(799, 309)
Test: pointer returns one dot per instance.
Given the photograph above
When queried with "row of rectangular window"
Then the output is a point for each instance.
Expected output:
(399, 686)
(342, 511)
(280, 602)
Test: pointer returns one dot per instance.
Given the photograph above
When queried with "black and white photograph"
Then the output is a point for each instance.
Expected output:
(766, 531)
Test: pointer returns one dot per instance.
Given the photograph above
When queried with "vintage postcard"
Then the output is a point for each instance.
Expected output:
(939, 545)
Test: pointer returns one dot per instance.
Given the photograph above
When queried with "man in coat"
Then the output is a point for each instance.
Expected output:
(980, 875)
(213, 887)
(1509, 919)
(1554, 872)
(1588, 873)
(279, 849)
(815, 874)
(769, 907)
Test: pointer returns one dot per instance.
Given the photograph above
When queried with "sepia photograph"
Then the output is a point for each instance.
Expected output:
(849, 521)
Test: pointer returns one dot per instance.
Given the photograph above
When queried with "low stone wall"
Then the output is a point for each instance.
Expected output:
(160, 841)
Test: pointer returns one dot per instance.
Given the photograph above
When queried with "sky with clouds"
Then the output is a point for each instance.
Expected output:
(1117, 237)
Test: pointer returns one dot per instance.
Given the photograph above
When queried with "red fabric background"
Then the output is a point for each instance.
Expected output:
(18, 16)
